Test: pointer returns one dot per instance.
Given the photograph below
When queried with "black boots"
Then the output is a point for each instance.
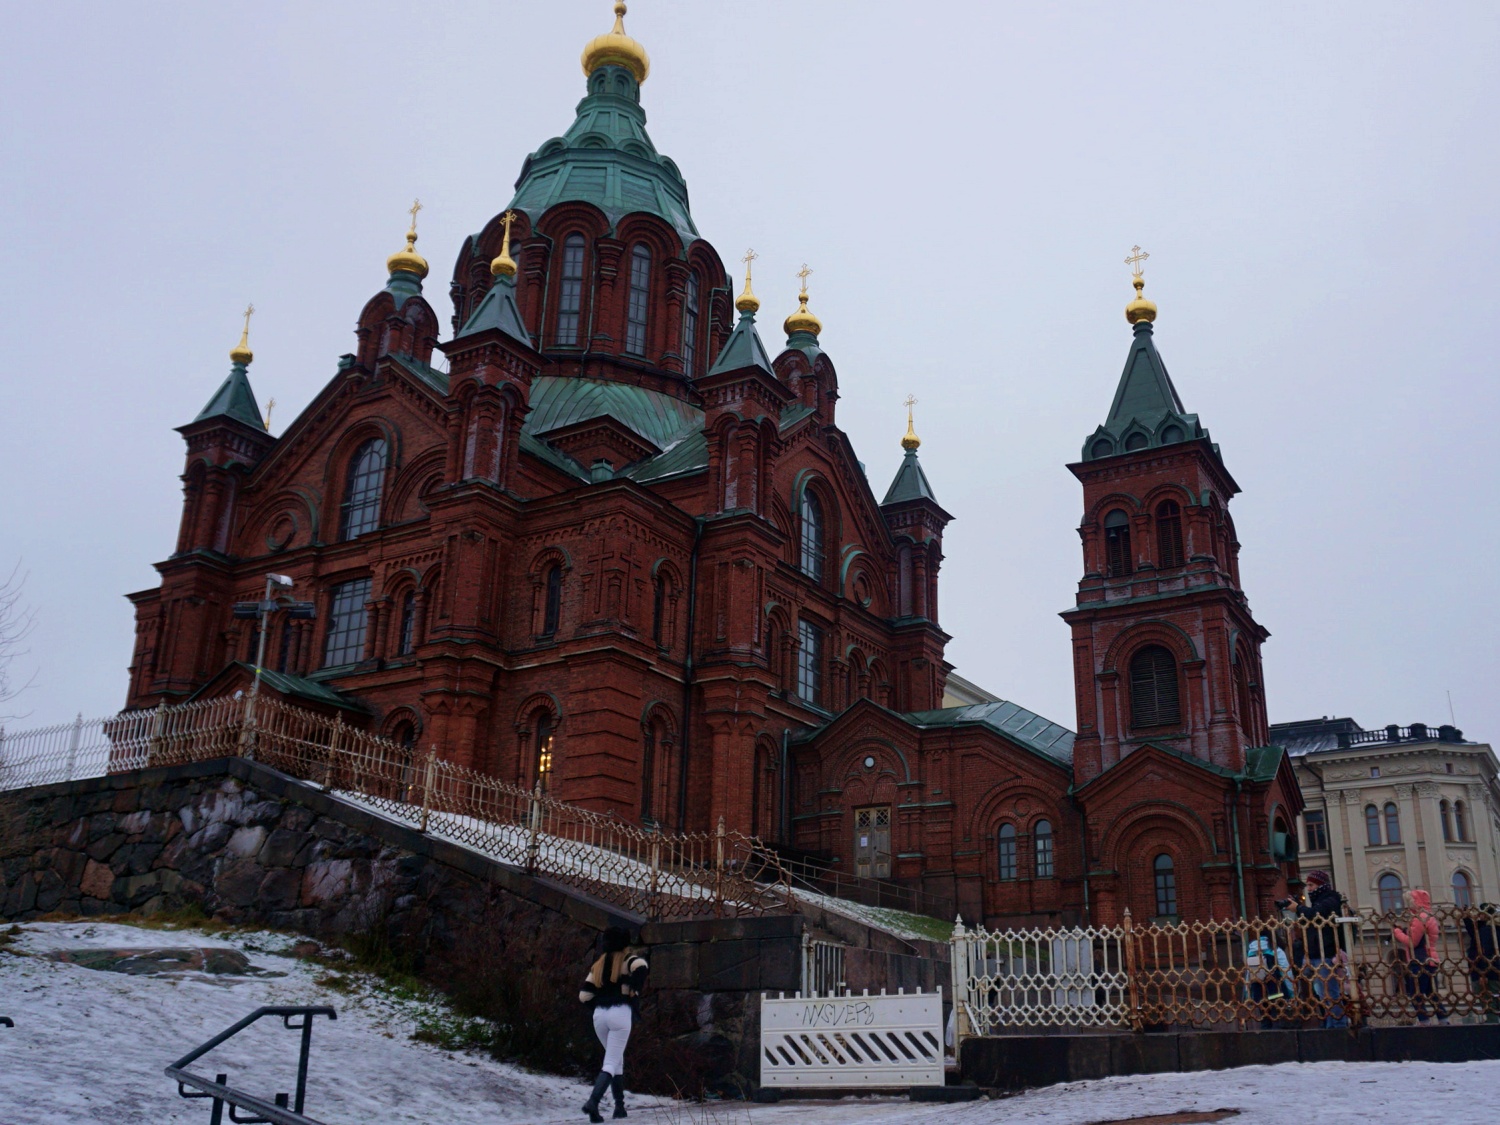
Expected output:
(617, 1084)
(591, 1107)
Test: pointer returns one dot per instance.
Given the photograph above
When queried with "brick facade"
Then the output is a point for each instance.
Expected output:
(588, 563)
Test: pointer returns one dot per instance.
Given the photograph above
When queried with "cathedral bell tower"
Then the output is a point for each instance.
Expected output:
(1165, 649)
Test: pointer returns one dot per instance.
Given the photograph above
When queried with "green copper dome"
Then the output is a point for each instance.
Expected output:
(607, 159)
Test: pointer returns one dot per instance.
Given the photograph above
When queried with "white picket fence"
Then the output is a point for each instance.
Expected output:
(846, 1041)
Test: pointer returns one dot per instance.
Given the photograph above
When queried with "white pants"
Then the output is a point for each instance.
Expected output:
(612, 1026)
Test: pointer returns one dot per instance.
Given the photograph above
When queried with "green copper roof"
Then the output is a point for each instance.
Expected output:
(607, 159)
(743, 349)
(295, 687)
(1147, 412)
(806, 343)
(498, 311)
(558, 401)
(910, 483)
(1010, 719)
(234, 399)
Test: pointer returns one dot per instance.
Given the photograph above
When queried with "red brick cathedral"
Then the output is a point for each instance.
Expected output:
(610, 543)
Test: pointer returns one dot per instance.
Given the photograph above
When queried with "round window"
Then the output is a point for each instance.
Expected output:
(869, 763)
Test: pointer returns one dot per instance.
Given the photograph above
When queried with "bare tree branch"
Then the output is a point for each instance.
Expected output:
(17, 619)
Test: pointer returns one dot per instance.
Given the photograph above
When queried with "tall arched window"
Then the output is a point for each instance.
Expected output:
(1463, 890)
(1042, 835)
(690, 328)
(408, 624)
(570, 293)
(1117, 544)
(361, 510)
(1447, 820)
(810, 663)
(648, 770)
(1153, 688)
(812, 535)
(1168, 534)
(1461, 821)
(1372, 826)
(1006, 846)
(1390, 893)
(542, 747)
(1166, 886)
(347, 618)
(659, 612)
(1392, 824)
(640, 300)
(552, 612)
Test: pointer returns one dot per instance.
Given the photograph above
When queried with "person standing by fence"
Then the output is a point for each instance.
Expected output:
(1482, 945)
(1321, 943)
(1417, 947)
(612, 989)
(1267, 970)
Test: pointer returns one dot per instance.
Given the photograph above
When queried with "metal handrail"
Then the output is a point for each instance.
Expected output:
(278, 1112)
(7, 1021)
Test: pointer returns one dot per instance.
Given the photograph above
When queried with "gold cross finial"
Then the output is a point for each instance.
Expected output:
(270, 406)
(503, 264)
(747, 302)
(241, 352)
(1139, 310)
(1137, 256)
(416, 205)
(911, 441)
(803, 274)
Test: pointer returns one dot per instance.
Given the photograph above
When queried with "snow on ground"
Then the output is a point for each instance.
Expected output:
(89, 1046)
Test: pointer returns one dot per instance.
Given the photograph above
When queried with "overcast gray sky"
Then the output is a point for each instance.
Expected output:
(1316, 184)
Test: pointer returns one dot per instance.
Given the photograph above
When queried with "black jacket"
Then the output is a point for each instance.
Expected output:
(621, 978)
(1482, 937)
(1323, 940)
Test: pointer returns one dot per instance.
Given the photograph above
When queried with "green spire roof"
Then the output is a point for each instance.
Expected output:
(1147, 412)
(910, 483)
(498, 311)
(234, 399)
(606, 159)
(743, 349)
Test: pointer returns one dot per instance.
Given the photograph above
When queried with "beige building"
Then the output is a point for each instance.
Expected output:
(1397, 808)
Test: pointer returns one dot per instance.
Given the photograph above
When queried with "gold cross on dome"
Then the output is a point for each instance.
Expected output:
(1137, 256)
(249, 312)
(911, 400)
(508, 218)
(803, 274)
(270, 406)
(416, 205)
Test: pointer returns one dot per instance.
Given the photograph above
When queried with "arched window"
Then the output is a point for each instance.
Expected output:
(1166, 886)
(640, 300)
(570, 293)
(659, 612)
(552, 613)
(812, 535)
(543, 750)
(1390, 893)
(1461, 821)
(1006, 845)
(1392, 824)
(408, 624)
(1447, 820)
(1117, 544)
(648, 770)
(1153, 688)
(690, 328)
(810, 663)
(1372, 826)
(347, 618)
(1042, 835)
(1463, 890)
(1168, 534)
(361, 510)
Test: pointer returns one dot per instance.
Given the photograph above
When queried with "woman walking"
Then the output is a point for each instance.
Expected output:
(612, 989)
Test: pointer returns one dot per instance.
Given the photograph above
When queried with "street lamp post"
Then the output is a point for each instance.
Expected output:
(262, 611)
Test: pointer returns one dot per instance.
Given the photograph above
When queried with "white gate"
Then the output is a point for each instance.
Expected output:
(822, 967)
(838, 1041)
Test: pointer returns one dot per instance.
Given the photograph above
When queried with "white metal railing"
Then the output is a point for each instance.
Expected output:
(657, 874)
(822, 967)
(845, 1041)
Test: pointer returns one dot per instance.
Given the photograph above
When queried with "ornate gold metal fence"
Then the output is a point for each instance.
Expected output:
(656, 874)
(1406, 966)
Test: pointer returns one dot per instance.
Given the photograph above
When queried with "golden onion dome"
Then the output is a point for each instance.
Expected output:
(617, 49)
(1140, 309)
(802, 320)
(241, 352)
(911, 442)
(747, 302)
(408, 259)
